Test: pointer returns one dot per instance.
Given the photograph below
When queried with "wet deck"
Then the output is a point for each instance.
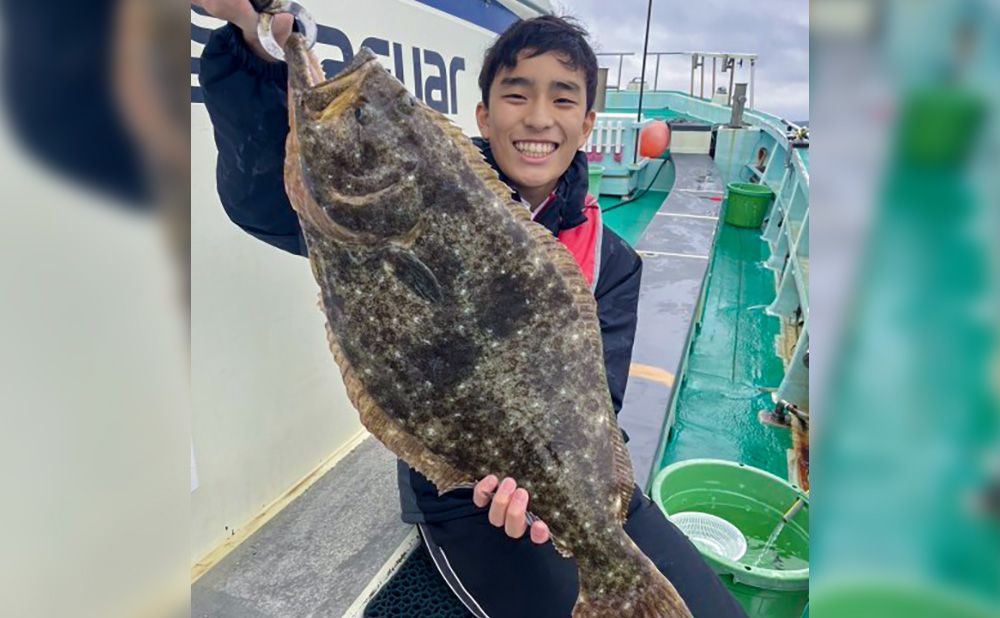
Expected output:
(733, 367)
(675, 247)
(324, 554)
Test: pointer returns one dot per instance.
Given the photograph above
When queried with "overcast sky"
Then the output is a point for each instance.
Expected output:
(776, 30)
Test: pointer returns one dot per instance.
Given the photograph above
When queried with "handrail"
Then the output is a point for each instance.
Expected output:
(729, 61)
(621, 57)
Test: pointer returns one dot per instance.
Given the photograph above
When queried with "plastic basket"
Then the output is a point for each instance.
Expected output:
(713, 533)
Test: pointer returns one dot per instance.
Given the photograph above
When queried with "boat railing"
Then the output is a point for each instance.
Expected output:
(787, 235)
(722, 62)
(621, 59)
(612, 135)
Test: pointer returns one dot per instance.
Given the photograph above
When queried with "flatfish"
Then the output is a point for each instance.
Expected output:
(466, 334)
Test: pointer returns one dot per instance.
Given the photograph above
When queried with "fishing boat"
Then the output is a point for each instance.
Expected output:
(295, 509)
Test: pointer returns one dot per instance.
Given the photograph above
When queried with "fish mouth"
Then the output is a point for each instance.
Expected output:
(318, 95)
(317, 102)
(304, 70)
(362, 63)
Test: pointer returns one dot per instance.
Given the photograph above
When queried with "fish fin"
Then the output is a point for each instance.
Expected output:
(567, 266)
(476, 160)
(299, 195)
(462, 484)
(563, 260)
(624, 476)
(633, 587)
(561, 548)
(391, 432)
(415, 274)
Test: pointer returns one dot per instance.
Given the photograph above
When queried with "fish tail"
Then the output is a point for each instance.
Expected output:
(631, 586)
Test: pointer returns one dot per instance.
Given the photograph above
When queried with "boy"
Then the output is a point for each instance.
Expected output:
(538, 85)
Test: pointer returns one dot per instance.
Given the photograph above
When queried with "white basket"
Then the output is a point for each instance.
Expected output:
(713, 533)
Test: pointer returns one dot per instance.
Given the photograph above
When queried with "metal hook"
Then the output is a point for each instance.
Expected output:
(304, 21)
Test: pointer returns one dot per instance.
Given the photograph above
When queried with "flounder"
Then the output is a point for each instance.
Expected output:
(466, 334)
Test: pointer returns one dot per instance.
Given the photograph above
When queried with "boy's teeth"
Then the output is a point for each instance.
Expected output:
(537, 149)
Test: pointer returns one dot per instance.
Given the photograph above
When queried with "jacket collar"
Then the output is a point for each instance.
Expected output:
(565, 209)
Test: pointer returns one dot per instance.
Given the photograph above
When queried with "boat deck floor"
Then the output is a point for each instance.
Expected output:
(676, 246)
(630, 221)
(733, 367)
(323, 555)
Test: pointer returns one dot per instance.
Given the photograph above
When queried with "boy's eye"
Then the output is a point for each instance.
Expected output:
(565, 101)
(514, 97)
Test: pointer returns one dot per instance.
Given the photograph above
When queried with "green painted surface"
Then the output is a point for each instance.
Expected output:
(662, 113)
(914, 415)
(733, 365)
(630, 221)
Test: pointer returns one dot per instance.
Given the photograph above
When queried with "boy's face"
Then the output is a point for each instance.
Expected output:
(536, 121)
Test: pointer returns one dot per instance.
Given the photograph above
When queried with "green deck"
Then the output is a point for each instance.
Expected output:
(630, 221)
(662, 113)
(733, 366)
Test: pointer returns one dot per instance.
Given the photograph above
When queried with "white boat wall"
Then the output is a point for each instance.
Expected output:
(268, 405)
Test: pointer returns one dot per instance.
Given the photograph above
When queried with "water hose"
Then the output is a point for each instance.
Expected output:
(637, 195)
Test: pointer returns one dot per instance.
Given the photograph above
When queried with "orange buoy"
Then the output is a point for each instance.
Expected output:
(654, 139)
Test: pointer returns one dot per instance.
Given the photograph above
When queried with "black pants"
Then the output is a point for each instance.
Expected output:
(499, 577)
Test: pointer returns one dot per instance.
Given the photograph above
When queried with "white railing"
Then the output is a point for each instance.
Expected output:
(608, 136)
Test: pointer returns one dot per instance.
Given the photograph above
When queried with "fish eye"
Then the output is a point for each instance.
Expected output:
(361, 114)
(407, 103)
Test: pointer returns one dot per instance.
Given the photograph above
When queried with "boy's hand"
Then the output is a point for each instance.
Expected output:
(241, 14)
(509, 508)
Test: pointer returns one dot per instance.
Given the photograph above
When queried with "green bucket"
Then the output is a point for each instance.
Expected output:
(754, 501)
(594, 173)
(747, 203)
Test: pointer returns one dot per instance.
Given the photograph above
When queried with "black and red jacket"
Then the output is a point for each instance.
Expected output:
(246, 98)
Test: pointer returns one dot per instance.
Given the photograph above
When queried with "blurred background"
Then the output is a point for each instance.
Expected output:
(905, 364)
(94, 238)
(94, 444)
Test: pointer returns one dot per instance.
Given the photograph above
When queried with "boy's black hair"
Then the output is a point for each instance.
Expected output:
(539, 35)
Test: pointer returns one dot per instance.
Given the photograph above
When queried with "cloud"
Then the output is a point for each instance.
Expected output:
(776, 30)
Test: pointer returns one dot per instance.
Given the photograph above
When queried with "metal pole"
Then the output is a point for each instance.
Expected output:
(642, 78)
(621, 57)
(656, 77)
(753, 63)
(732, 74)
(703, 77)
(694, 63)
(713, 75)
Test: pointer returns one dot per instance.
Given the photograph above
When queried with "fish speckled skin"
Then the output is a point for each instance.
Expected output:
(448, 312)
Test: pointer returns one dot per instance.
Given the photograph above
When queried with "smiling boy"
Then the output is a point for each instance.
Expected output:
(536, 115)
(538, 85)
